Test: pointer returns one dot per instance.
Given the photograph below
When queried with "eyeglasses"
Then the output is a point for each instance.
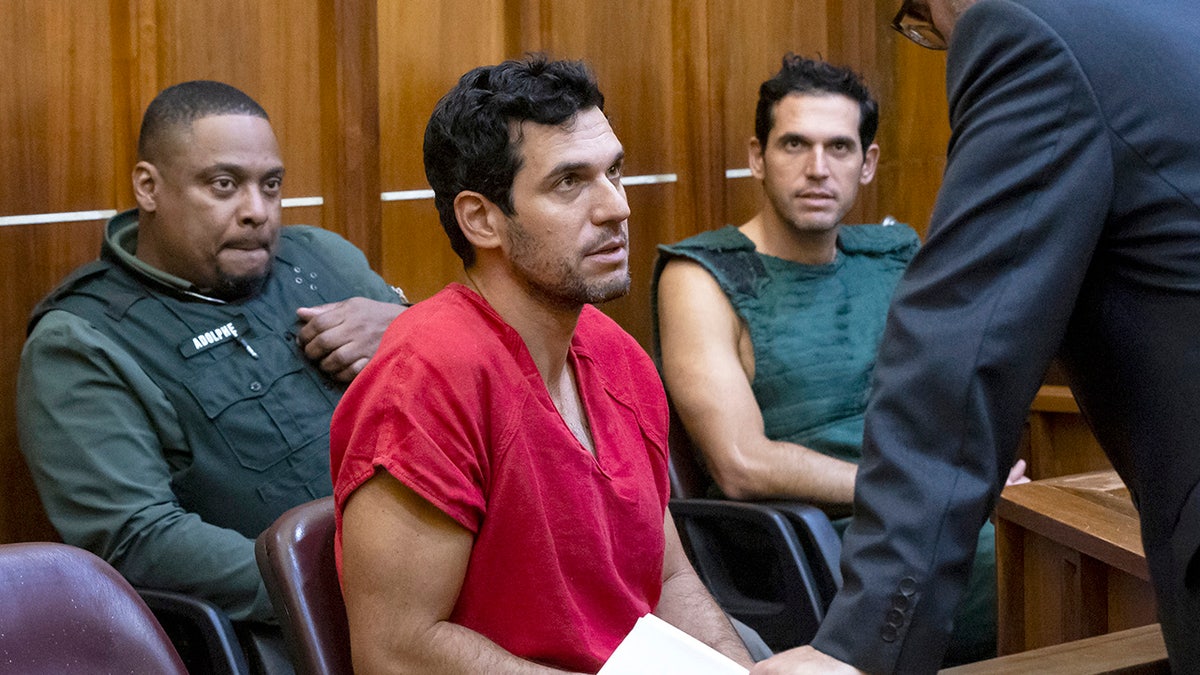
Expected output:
(914, 22)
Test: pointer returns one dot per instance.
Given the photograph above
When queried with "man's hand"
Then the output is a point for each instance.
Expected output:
(803, 660)
(1016, 475)
(341, 337)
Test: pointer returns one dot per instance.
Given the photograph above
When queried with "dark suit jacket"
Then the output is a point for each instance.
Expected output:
(1068, 215)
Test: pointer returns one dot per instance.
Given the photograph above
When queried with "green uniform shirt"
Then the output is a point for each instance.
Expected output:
(104, 442)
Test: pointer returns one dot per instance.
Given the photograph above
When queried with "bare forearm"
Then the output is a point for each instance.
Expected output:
(445, 648)
(686, 604)
(764, 469)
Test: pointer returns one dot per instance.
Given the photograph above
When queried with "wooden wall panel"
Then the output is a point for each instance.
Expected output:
(641, 62)
(349, 130)
(56, 155)
(302, 215)
(416, 253)
(914, 131)
(56, 108)
(855, 32)
(267, 48)
(749, 39)
(424, 47)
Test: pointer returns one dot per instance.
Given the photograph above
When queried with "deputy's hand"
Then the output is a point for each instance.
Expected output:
(340, 337)
(803, 660)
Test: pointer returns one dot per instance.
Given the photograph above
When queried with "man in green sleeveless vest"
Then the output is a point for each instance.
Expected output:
(174, 396)
(768, 332)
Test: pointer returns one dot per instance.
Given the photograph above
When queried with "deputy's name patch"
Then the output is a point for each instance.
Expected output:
(226, 332)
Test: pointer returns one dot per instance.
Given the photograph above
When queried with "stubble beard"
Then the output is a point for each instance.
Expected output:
(795, 221)
(571, 292)
(237, 287)
(559, 284)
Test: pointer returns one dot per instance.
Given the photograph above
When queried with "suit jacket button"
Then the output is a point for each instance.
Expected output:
(895, 618)
(908, 586)
(889, 634)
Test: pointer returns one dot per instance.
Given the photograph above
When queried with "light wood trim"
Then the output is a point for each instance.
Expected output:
(1091, 514)
(1137, 651)
(1055, 398)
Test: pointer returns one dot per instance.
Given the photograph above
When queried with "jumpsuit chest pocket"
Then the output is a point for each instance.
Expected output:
(264, 408)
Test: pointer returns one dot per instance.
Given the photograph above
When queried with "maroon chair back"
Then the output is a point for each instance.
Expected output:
(295, 556)
(64, 610)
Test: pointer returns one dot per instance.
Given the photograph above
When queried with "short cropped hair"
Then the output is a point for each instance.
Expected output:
(178, 106)
(473, 139)
(808, 76)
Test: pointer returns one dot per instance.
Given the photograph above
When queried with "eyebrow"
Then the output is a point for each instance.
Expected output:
(784, 138)
(239, 169)
(574, 167)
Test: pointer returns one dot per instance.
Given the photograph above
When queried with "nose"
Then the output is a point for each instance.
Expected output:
(255, 207)
(818, 163)
(611, 205)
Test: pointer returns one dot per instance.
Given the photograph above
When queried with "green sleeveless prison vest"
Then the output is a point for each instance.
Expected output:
(815, 329)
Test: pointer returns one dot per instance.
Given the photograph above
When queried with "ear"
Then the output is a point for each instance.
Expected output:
(870, 163)
(755, 157)
(481, 221)
(146, 182)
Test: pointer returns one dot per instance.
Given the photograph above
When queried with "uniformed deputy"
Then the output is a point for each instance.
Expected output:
(175, 395)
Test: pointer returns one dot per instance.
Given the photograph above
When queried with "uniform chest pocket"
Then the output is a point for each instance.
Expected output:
(266, 408)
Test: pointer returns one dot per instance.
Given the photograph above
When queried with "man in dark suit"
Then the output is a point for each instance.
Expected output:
(1068, 222)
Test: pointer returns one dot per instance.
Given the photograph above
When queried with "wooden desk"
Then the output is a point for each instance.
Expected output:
(1069, 562)
(1057, 442)
(1136, 651)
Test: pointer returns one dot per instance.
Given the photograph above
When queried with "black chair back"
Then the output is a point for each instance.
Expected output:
(771, 564)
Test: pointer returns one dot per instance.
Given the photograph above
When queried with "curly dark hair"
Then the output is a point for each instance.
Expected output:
(473, 139)
(808, 76)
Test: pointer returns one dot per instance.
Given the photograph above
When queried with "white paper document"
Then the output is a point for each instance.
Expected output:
(655, 647)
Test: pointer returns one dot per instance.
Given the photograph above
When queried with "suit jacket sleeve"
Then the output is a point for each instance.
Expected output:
(974, 323)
